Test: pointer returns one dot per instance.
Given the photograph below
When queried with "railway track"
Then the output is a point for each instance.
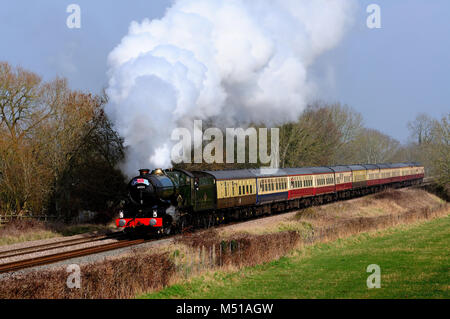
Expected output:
(49, 246)
(52, 258)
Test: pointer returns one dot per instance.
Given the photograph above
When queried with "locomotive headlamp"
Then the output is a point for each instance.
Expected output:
(121, 214)
(152, 222)
(155, 213)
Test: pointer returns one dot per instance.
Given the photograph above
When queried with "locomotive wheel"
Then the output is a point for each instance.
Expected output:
(183, 224)
(167, 230)
(168, 225)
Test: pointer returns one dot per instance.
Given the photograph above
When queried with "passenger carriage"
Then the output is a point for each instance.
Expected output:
(397, 172)
(359, 176)
(272, 185)
(323, 180)
(301, 182)
(234, 188)
(372, 174)
(342, 177)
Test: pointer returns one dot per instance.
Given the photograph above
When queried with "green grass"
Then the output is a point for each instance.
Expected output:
(414, 261)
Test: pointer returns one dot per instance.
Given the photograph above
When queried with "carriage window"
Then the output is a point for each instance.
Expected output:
(247, 189)
(251, 190)
(240, 191)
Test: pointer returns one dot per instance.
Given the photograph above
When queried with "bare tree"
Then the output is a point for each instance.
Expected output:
(372, 146)
(44, 128)
(439, 151)
(312, 140)
(421, 128)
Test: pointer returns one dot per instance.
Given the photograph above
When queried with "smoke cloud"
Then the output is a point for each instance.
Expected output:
(235, 61)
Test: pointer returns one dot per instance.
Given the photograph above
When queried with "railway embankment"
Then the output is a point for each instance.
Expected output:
(230, 248)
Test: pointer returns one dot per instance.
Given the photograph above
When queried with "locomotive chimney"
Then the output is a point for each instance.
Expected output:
(143, 172)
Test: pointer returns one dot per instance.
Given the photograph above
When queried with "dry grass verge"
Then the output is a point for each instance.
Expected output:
(119, 278)
(352, 226)
(241, 249)
(23, 230)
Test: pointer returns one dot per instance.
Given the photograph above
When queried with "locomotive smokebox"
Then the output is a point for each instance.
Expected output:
(149, 189)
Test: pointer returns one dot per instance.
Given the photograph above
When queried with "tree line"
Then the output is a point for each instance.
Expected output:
(59, 153)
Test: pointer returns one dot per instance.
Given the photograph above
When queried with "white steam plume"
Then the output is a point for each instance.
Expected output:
(239, 61)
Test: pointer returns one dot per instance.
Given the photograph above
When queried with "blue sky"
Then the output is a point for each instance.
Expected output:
(389, 74)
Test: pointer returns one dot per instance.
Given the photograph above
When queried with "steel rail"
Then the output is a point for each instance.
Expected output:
(48, 259)
(48, 246)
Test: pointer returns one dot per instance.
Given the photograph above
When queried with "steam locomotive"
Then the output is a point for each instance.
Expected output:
(168, 201)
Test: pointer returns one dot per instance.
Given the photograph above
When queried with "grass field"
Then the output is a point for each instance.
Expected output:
(414, 262)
